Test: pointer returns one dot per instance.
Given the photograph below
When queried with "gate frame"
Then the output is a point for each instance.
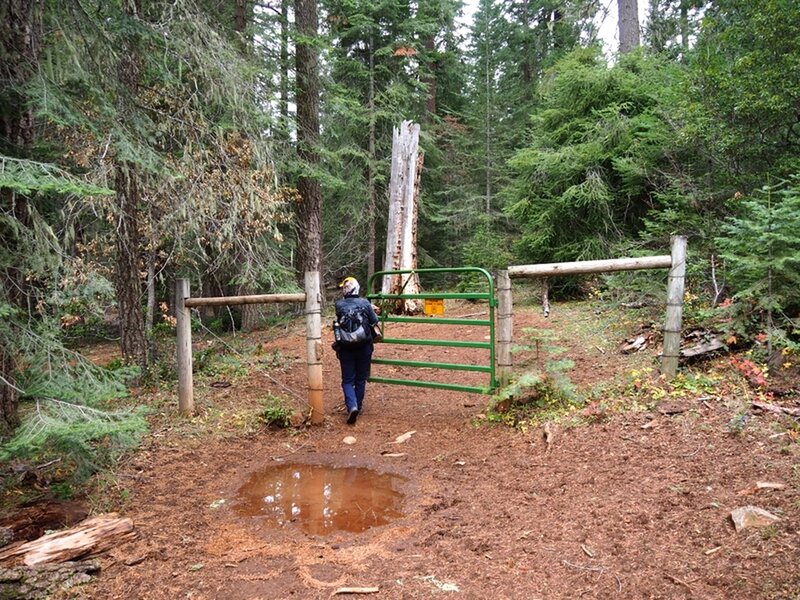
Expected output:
(380, 297)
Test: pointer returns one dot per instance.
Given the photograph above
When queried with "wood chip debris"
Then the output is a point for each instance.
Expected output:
(404, 437)
(357, 590)
(674, 579)
(769, 485)
(548, 437)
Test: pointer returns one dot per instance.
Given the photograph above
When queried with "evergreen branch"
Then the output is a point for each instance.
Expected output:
(27, 176)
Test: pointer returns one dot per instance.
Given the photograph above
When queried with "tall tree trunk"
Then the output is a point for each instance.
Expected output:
(429, 79)
(20, 37)
(684, 29)
(129, 238)
(308, 87)
(628, 24)
(241, 15)
(129, 283)
(284, 66)
(371, 184)
(401, 234)
(488, 121)
(9, 397)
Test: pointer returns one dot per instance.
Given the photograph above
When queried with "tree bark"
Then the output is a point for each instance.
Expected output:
(9, 397)
(628, 24)
(89, 538)
(284, 67)
(429, 79)
(241, 15)
(684, 29)
(129, 238)
(371, 184)
(129, 283)
(310, 203)
(20, 37)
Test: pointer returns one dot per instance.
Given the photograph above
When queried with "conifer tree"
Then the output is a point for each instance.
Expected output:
(761, 250)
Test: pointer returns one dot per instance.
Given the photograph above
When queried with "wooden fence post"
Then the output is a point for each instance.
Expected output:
(184, 356)
(505, 327)
(674, 319)
(314, 346)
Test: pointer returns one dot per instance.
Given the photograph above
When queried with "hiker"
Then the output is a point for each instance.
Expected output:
(353, 333)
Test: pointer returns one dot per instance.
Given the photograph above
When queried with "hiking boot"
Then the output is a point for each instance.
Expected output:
(352, 416)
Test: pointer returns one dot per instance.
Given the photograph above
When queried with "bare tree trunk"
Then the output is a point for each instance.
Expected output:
(310, 204)
(401, 251)
(129, 238)
(628, 24)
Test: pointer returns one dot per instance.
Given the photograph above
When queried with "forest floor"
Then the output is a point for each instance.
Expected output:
(623, 493)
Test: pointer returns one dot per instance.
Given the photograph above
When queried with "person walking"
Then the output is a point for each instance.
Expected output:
(353, 333)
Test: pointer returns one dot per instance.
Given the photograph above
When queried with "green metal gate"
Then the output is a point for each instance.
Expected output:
(384, 300)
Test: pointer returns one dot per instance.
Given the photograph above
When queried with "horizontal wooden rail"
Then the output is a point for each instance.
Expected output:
(233, 300)
(313, 310)
(591, 266)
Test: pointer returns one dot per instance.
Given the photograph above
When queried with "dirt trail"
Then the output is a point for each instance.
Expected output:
(609, 510)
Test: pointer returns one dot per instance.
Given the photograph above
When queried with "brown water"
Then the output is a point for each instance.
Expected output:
(321, 499)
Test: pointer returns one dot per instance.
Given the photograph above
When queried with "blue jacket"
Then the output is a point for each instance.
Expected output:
(349, 303)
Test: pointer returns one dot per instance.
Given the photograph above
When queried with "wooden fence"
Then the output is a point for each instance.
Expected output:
(313, 311)
(675, 262)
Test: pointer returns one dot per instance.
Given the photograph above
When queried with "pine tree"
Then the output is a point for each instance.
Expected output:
(599, 141)
(761, 250)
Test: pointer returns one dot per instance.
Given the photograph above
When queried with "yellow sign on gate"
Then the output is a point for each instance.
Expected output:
(434, 306)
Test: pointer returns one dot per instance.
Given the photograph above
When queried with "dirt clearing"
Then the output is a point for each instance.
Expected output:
(608, 504)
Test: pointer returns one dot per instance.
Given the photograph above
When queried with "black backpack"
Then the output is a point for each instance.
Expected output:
(353, 328)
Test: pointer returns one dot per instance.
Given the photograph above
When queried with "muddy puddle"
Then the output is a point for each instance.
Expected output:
(321, 499)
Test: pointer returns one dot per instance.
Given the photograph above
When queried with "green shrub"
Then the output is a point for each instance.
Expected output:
(276, 412)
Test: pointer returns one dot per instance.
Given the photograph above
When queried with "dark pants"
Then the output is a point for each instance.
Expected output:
(355, 363)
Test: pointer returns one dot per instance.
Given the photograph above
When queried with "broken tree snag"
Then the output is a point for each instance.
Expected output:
(401, 235)
(89, 538)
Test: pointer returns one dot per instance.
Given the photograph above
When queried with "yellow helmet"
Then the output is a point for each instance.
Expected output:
(350, 286)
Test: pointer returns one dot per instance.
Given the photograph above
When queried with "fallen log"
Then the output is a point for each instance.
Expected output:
(703, 347)
(89, 538)
(767, 407)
